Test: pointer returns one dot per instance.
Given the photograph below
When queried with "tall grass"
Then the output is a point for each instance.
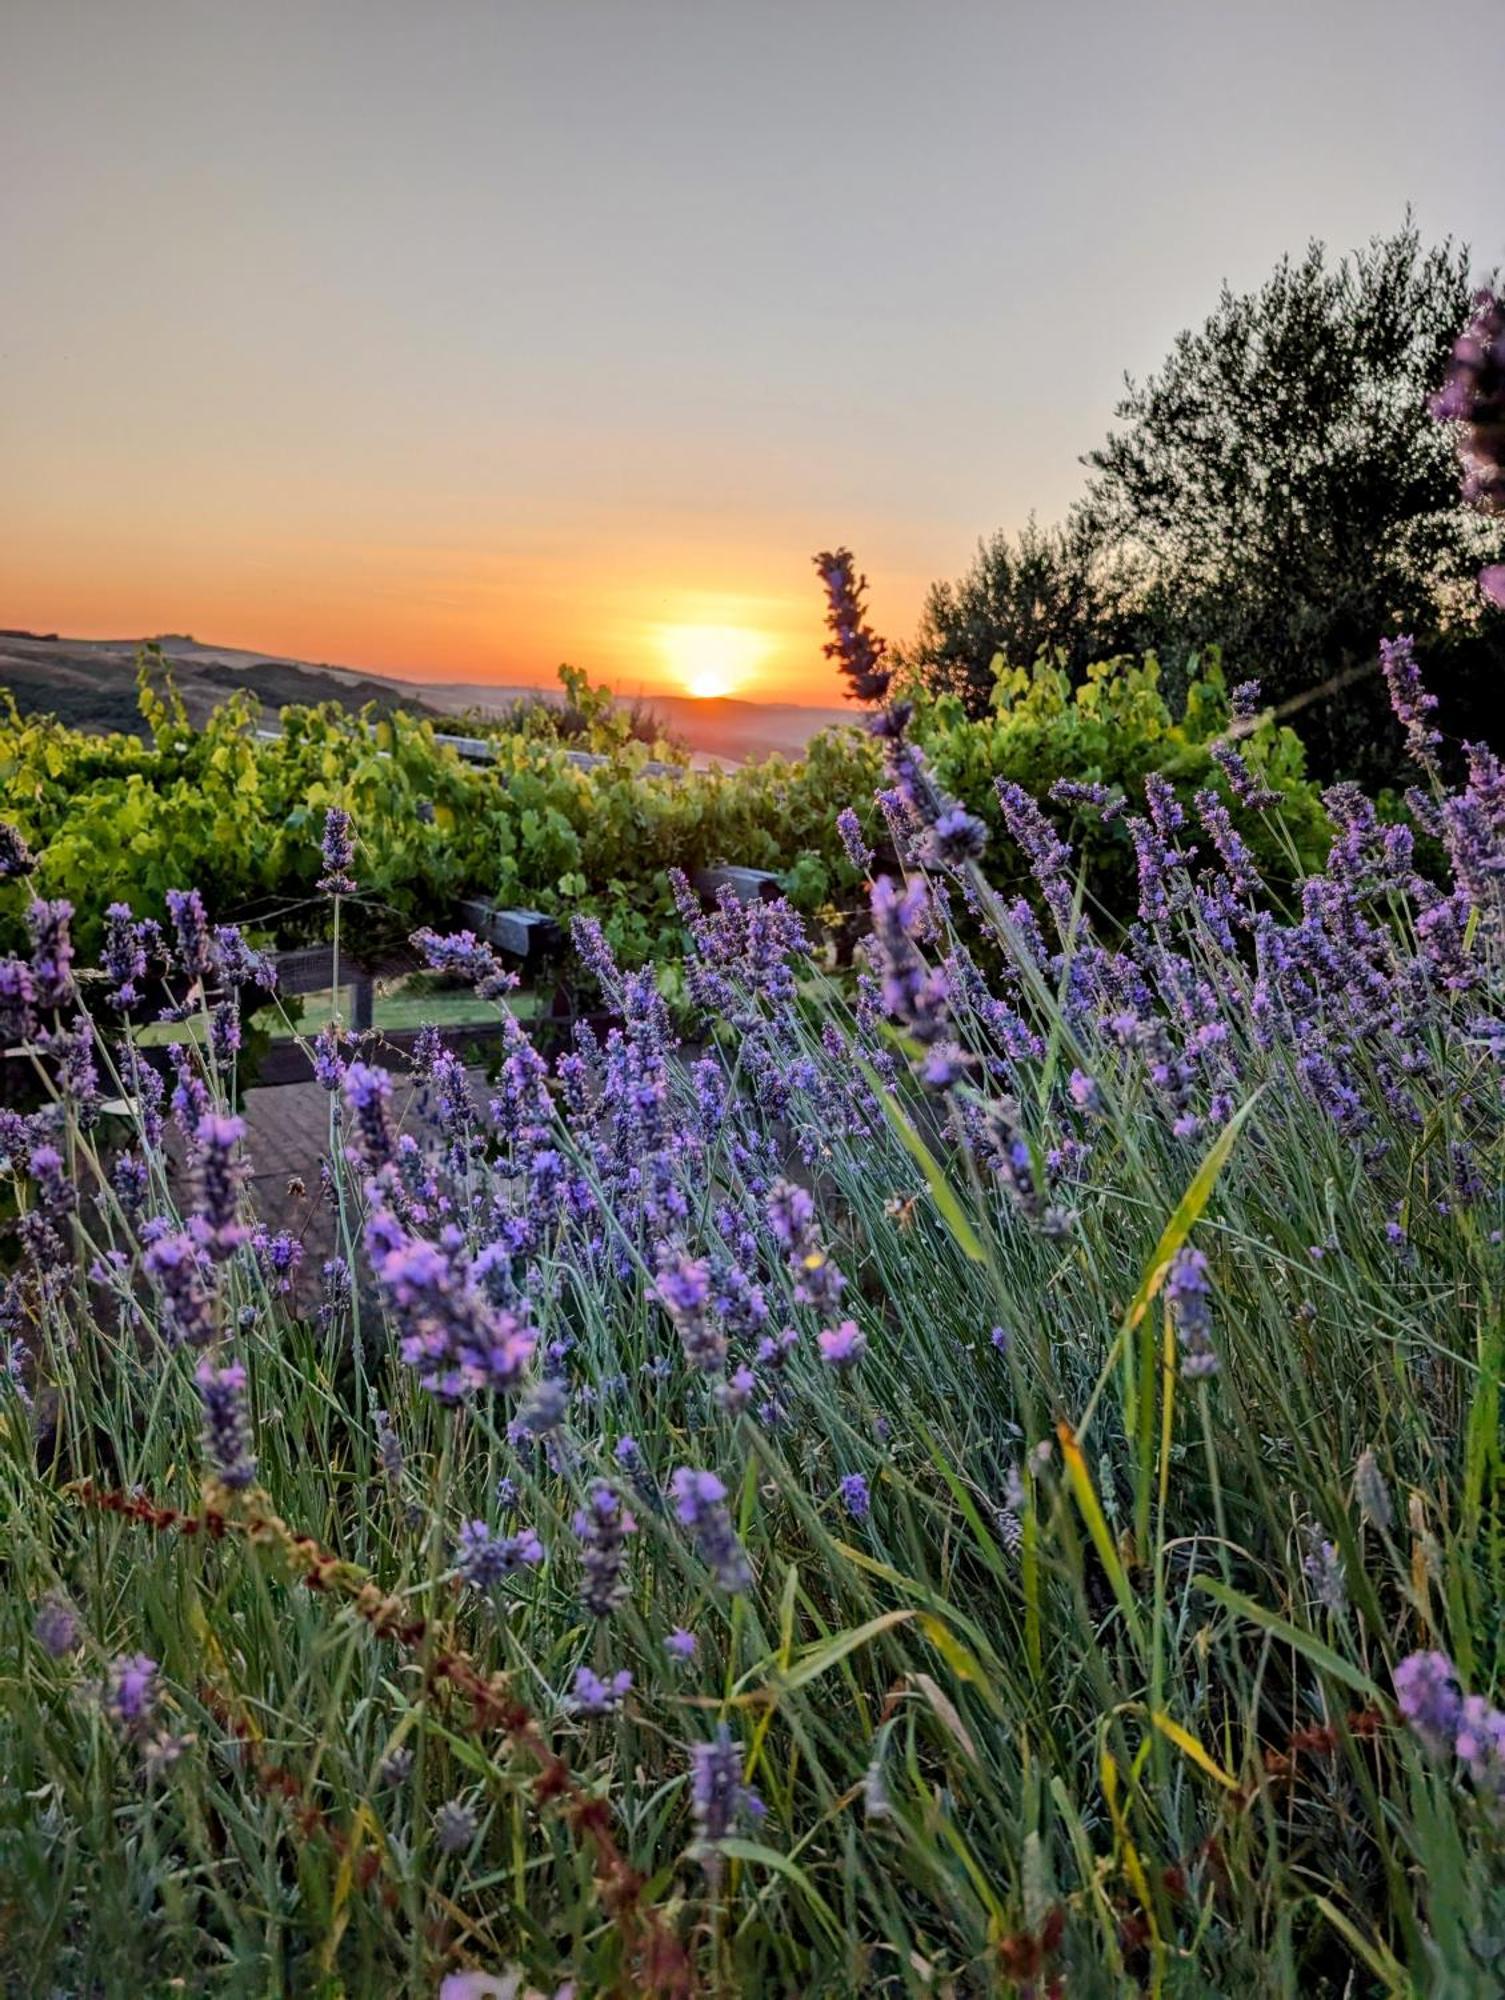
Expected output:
(1063, 1666)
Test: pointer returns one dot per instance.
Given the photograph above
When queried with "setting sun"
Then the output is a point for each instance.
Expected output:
(710, 660)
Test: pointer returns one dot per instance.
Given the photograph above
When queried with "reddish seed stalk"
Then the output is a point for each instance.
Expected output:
(658, 1958)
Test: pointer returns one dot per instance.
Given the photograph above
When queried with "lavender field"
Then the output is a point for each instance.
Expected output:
(980, 1477)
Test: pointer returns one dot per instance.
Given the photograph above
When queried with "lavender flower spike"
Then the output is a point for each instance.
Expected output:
(227, 1428)
(700, 1506)
(338, 853)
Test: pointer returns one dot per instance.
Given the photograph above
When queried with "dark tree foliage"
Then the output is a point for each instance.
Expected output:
(1022, 597)
(1281, 486)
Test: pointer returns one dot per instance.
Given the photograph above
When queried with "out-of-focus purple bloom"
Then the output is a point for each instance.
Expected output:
(1189, 1295)
(337, 853)
(368, 1097)
(1244, 701)
(485, 1559)
(455, 1826)
(56, 1626)
(1492, 583)
(700, 1506)
(681, 1646)
(51, 951)
(218, 1175)
(227, 1425)
(853, 645)
(1480, 1747)
(131, 1693)
(855, 1497)
(842, 1347)
(592, 1696)
(176, 1265)
(463, 955)
(602, 1526)
(718, 1797)
(1473, 396)
(1323, 1568)
(684, 1290)
(16, 858)
(953, 837)
(1428, 1695)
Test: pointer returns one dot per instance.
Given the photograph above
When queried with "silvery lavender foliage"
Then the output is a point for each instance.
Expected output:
(700, 1506)
(337, 853)
(1371, 1492)
(602, 1527)
(227, 1424)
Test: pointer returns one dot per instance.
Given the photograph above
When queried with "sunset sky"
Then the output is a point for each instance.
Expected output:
(459, 337)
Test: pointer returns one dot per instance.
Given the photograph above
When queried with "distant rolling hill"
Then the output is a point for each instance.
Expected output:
(90, 684)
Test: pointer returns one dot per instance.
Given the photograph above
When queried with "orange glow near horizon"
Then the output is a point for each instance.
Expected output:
(712, 660)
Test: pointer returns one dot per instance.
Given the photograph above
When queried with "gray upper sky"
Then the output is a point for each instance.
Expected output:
(466, 335)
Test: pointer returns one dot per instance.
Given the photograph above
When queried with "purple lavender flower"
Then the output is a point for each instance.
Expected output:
(700, 1506)
(368, 1097)
(854, 1496)
(56, 1626)
(1409, 700)
(176, 1265)
(338, 853)
(218, 1177)
(227, 1426)
(123, 958)
(858, 852)
(681, 1646)
(718, 1797)
(455, 1343)
(842, 1347)
(684, 1290)
(953, 837)
(1250, 790)
(455, 1827)
(1429, 1697)
(853, 644)
(131, 1693)
(1244, 701)
(51, 952)
(464, 956)
(1049, 856)
(593, 1696)
(602, 1526)
(195, 953)
(16, 858)
(1480, 1748)
(1189, 1295)
(485, 1559)
(1473, 397)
